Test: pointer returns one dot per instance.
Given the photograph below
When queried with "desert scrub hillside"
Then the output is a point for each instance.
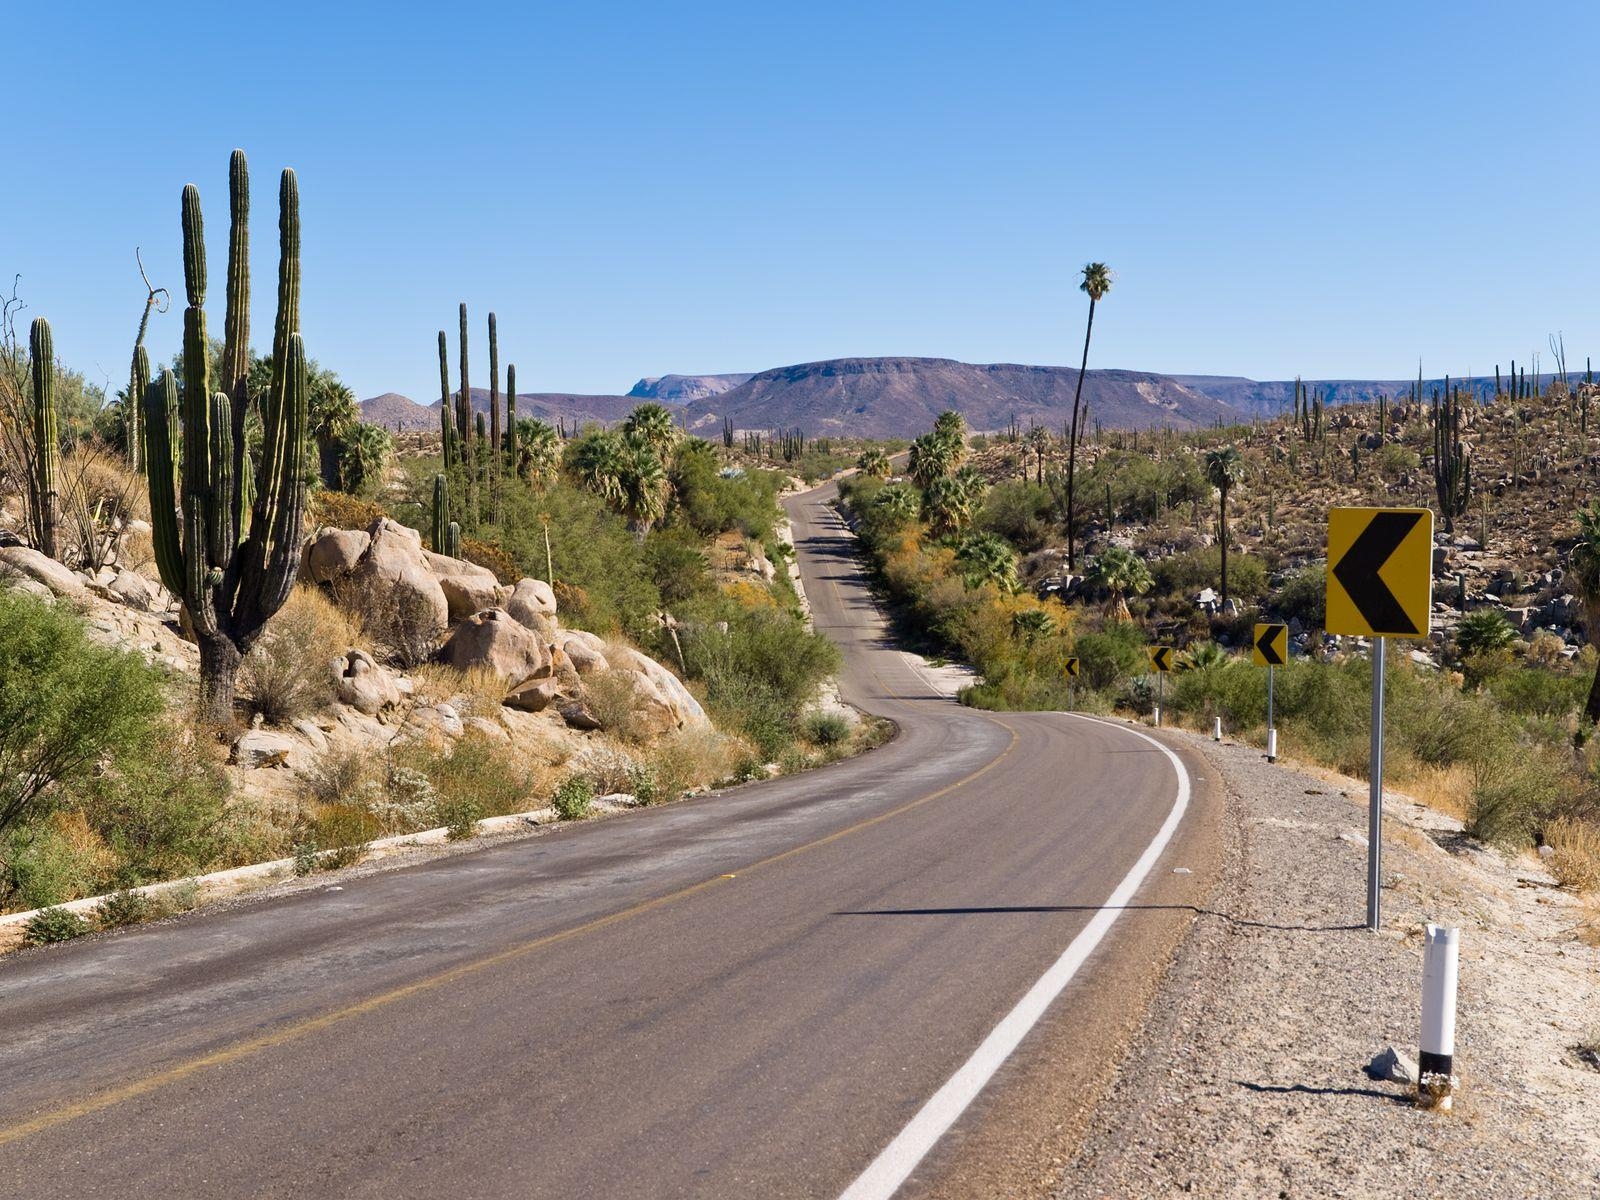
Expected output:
(1487, 719)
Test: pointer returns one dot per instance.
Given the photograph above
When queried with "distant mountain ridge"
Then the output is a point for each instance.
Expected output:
(899, 397)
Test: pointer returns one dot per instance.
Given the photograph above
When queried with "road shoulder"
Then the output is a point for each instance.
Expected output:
(1247, 1079)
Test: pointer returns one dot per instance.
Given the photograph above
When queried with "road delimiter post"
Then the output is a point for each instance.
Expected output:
(1436, 1080)
(1272, 730)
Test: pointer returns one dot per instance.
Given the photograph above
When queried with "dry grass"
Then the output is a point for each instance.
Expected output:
(1576, 859)
(286, 674)
(475, 692)
(1444, 789)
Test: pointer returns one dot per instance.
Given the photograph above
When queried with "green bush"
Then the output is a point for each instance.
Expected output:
(1111, 655)
(121, 908)
(66, 704)
(53, 925)
(827, 729)
(1303, 596)
(1184, 575)
(573, 798)
(1019, 512)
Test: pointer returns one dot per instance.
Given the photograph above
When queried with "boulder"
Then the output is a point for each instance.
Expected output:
(584, 651)
(533, 602)
(468, 588)
(486, 728)
(433, 720)
(362, 684)
(259, 748)
(136, 591)
(578, 715)
(333, 553)
(492, 639)
(31, 564)
(395, 574)
(536, 695)
(664, 704)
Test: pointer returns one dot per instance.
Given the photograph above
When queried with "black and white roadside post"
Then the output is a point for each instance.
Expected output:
(1436, 1078)
(1380, 585)
(1270, 649)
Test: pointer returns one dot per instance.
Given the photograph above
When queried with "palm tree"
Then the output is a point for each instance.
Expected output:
(599, 460)
(874, 463)
(1031, 624)
(1122, 573)
(987, 558)
(653, 425)
(1483, 631)
(1036, 440)
(1224, 469)
(334, 413)
(974, 484)
(538, 451)
(1096, 283)
(950, 430)
(645, 487)
(930, 458)
(363, 454)
(950, 504)
(899, 504)
(1583, 561)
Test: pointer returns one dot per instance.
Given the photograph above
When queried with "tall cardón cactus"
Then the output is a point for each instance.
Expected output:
(495, 459)
(464, 399)
(511, 417)
(44, 480)
(446, 429)
(1452, 461)
(441, 513)
(231, 581)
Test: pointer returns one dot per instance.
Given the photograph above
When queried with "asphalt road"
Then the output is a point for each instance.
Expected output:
(745, 994)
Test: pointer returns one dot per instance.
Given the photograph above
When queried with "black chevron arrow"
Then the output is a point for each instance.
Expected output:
(1160, 657)
(1072, 668)
(1357, 572)
(1268, 650)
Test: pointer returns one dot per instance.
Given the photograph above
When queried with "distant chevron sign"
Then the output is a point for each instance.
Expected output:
(1270, 648)
(1380, 576)
(1161, 657)
(1071, 667)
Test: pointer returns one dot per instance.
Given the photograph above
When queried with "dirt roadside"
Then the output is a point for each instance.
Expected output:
(1247, 1079)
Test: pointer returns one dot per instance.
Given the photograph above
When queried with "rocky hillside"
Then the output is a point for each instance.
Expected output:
(401, 414)
(680, 389)
(1273, 398)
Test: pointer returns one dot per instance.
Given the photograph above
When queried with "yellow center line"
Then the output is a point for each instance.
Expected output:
(310, 1025)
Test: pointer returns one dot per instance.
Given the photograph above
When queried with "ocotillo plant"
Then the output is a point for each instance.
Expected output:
(1452, 461)
(44, 479)
(230, 586)
(494, 464)
(441, 512)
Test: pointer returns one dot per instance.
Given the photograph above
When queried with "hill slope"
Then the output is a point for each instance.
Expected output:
(400, 413)
(900, 397)
(680, 389)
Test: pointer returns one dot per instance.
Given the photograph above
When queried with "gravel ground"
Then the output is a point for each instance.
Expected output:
(1248, 1080)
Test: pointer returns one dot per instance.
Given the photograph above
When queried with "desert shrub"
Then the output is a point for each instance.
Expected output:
(50, 862)
(286, 674)
(573, 798)
(1111, 655)
(1575, 853)
(121, 908)
(477, 777)
(689, 758)
(53, 925)
(491, 557)
(340, 833)
(612, 699)
(677, 567)
(343, 511)
(1483, 631)
(1515, 792)
(1534, 691)
(476, 692)
(1304, 596)
(339, 776)
(1187, 573)
(66, 704)
(826, 729)
(643, 785)
(1393, 459)
(710, 502)
(1018, 512)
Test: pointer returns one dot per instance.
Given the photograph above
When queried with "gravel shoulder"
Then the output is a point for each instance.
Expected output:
(1248, 1079)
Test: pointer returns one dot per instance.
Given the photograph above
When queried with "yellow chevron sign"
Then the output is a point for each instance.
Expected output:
(1270, 646)
(1380, 571)
(1071, 668)
(1162, 658)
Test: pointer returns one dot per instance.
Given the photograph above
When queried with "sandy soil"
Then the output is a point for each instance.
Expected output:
(1248, 1080)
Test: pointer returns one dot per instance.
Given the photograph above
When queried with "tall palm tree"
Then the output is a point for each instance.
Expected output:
(950, 430)
(987, 558)
(645, 487)
(599, 460)
(874, 463)
(1122, 573)
(900, 504)
(653, 425)
(1583, 561)
(929, 459)
(1224, 469)
(363, 454)
(1096, 283)
(334, 413)
(538, 451)
(950, 505)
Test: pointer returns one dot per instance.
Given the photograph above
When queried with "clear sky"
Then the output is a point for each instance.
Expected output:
(643, 188)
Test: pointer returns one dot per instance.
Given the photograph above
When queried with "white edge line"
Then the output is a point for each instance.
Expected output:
(900, 1157)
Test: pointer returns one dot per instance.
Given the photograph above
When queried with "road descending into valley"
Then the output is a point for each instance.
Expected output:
(752, 993)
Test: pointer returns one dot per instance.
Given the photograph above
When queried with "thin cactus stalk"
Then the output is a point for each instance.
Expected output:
(494, 463)
(133, 405)
(446, 429)
(464, 398)
(511, 417)
(452, 540)
(441, 512)
(231, 581)
(235, 380)
(45, 477)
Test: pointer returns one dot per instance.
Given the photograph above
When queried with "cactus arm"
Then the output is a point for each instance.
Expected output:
(452, 540)
(511, 417)
(160, 445)
(444, 398)
(236, 332)
(223, 532)
(441, 512)
(464, 399)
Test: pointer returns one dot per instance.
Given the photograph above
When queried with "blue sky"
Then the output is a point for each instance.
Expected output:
(646, 188)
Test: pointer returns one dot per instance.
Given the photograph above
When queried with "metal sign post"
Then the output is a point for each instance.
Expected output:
(1269, 648)
(1161, 694)
(1272, 730)
(1375, 794)
(1380, 585)
(1160, 662)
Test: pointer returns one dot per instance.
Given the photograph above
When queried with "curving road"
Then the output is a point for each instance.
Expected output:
(751, 993)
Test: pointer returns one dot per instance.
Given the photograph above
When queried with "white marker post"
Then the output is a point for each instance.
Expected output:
(1375, 794)
(1161, 694)
(1436, 1080)
(1216, 729)
(1272, 730)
